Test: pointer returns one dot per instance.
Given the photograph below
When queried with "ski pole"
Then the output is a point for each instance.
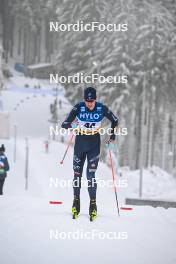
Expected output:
(69, 143)
(113, 178)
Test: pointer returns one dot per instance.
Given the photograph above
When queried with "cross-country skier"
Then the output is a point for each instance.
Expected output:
(4, 167)
(88, 115)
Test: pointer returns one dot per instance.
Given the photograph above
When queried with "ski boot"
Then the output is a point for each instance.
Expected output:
(93, 210)
(76, 207)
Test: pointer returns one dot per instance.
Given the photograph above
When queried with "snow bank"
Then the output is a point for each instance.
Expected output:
(156, 183)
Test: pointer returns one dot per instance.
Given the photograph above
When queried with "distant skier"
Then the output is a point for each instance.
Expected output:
(89, 115)
(46, 143)
(4, 167)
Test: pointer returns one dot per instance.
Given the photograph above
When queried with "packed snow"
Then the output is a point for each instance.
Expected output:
(34, 231)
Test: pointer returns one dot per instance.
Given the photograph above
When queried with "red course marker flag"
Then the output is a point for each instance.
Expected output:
(126, 208)
(55, 202)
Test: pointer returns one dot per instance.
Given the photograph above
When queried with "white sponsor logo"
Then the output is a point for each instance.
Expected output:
(82, 108)
(90, 115)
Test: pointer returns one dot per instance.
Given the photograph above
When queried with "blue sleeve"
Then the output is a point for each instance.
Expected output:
(6, 163)
(114, 120)
(71, 117)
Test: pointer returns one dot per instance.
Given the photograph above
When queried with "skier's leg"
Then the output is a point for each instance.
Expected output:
(92, 164)
(78, 163)
(1, 186)
(92, 159)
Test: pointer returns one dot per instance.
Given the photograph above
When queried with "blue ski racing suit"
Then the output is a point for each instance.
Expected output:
(87, 141)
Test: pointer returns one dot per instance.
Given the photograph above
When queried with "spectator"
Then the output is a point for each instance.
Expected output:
(4, 167)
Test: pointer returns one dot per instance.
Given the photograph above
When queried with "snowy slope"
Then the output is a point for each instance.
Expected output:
(29, 108)
(28, 220)
(157, 184)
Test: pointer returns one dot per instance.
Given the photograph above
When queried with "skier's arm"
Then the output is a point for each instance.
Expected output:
(6, 163)
(71, 117)
(114, 120)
